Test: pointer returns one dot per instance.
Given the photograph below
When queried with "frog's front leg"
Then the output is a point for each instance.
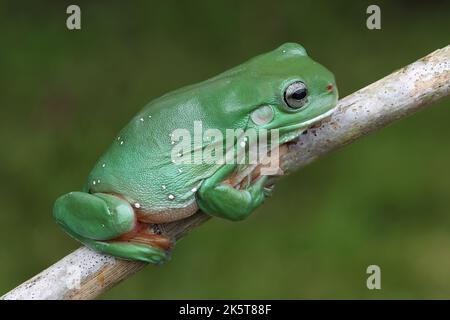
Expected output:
(221, 199)
(107, 223)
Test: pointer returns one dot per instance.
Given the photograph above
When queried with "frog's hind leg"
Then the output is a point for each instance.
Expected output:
(107, 223)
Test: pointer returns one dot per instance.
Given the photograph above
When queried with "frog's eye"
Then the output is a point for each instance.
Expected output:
(296, 95)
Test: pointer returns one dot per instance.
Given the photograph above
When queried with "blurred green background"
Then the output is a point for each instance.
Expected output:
(383, 200)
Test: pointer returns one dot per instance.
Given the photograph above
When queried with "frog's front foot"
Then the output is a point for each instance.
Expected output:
(221, 199)
(107, 223)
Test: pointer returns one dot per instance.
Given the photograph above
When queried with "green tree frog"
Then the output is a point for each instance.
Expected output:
(137, 183)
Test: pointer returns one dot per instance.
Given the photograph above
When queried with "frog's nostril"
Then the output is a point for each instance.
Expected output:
(330, 87)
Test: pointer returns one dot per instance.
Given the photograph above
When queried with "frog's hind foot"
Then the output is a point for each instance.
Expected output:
(143, 234)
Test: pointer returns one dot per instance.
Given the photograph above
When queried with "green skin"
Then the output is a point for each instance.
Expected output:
(135, 183)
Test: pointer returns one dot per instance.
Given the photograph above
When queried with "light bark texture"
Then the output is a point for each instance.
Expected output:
(84, 274)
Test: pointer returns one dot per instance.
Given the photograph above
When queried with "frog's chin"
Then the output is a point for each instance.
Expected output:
(290, 132)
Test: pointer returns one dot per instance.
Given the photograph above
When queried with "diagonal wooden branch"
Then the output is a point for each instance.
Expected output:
(84, 274)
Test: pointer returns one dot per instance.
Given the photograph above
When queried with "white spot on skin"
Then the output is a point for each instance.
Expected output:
(163, 187)
(137, 205)
(118, 138)
(121, 142)
(242, 144)
(103, 165)
(94, 182)
(171, 197)
(98, 181)
(194, 189)
(180, 171)
(142, 119)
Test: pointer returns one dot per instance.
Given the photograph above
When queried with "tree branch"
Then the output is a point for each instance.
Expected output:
(375, 106)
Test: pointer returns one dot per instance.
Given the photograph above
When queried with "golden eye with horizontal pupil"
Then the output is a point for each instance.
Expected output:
(296, 95)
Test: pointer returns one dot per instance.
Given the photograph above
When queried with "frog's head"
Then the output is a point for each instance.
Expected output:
(292, 91)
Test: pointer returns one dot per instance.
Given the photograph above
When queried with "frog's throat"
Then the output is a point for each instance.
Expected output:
(290, 132)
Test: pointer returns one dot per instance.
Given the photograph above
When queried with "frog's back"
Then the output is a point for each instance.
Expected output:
(138, 164)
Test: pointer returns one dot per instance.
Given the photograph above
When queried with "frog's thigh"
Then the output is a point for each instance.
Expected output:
(97, 216)
(100, 221)
(222, 200)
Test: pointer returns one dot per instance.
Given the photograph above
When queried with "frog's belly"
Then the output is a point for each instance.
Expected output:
(166, 215)
(155, 200)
